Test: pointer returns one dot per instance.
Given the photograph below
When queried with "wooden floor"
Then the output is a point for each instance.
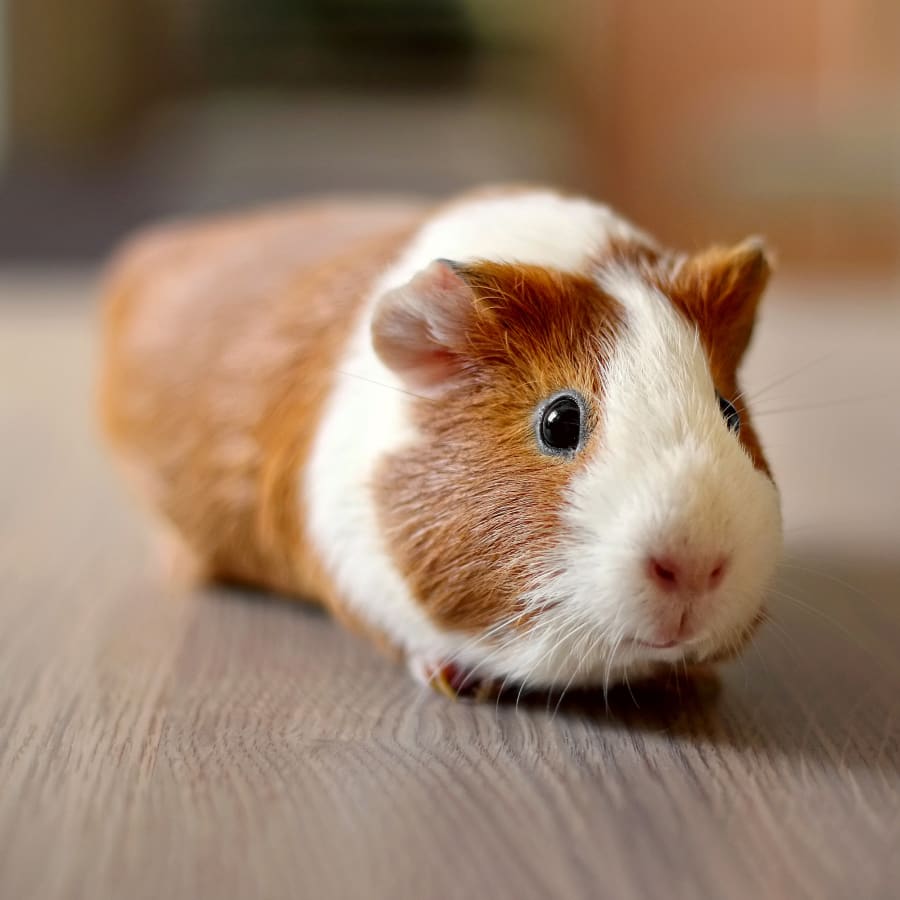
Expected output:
(225, 745)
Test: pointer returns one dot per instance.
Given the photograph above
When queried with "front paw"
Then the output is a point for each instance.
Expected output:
(451, 679)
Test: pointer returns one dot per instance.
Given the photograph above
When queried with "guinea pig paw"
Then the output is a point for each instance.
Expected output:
(450, 679)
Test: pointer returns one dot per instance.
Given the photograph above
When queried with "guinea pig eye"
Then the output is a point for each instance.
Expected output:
(730, 414)
(559, 425)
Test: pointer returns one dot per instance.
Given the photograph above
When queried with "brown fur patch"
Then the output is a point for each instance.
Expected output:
(467, 512)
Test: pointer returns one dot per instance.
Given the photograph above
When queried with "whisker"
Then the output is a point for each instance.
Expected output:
(575, 651)
(390, 387)
(829, 404)
(823, 617)
(565, 621)
(612, 653)
(830, 577)
(584, 657)
(628, 685)
(538, 623)
(783, 378)
(507, 641)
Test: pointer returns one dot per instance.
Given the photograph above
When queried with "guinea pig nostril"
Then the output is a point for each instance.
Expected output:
(664, 573)
(717, 573)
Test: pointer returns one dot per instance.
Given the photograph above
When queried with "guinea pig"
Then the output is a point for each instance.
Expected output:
(504, 437)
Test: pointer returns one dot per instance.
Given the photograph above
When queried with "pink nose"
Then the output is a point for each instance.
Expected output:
(686, 574)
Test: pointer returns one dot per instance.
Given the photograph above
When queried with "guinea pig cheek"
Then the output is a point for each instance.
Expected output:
(470, 529)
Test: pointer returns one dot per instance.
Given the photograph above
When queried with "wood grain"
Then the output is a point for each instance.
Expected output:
(155, 744)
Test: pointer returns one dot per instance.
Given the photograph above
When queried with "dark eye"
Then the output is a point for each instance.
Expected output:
(559, 428)
(730, 414)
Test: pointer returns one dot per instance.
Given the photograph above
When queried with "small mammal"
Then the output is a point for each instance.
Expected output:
(504, 437)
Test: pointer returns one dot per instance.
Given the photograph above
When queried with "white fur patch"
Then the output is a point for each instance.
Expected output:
(539, 228)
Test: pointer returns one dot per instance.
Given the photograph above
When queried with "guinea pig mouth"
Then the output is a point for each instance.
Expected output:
(662, 645)
(662, 650)
(695, 648)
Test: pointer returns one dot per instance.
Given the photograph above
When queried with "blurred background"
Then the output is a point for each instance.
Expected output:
(700, 119)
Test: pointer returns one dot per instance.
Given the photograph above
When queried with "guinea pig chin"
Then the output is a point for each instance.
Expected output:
(669, 551)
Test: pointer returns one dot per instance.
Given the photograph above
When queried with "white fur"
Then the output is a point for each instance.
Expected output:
(539, 228)
(665, 448)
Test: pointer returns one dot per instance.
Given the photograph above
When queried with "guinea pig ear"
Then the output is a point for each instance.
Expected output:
(419, 329)
(721, 289)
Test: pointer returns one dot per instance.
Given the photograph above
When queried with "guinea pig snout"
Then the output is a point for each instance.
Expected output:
(682, 586)
(686, 573)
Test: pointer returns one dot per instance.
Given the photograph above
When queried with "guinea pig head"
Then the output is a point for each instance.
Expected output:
(585, 494)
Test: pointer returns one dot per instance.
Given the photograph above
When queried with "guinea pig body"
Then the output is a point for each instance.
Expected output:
(503, 437)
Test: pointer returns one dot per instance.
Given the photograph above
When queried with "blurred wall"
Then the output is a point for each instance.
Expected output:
(712, 118)
(701, 119)
(4, 83)
(127, 112)
(80, 72)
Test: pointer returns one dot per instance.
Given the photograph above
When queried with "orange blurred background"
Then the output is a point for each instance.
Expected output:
(700, 119)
